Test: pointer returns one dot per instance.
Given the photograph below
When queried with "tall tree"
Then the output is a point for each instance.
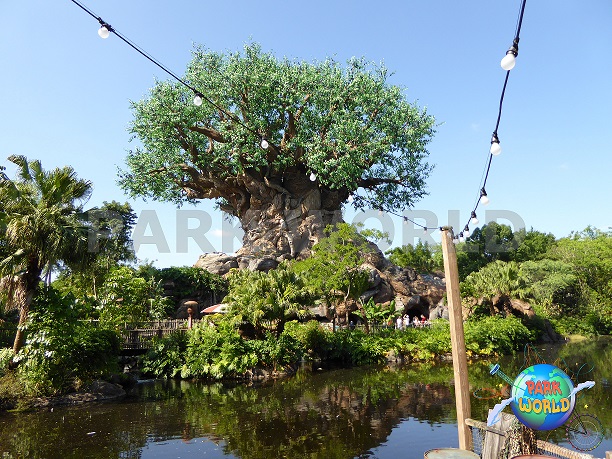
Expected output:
(40, 220)
(330, 132)
(335, 271)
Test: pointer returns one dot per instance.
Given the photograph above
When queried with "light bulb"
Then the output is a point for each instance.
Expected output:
(264, 144)
(483, 197)
(350, 198)
(466, 231)
(380, 212)
(474, 219)
(103, 32)
(312, 177)
(197, 100)
(495, 148)
(509, 61)
(405, 220)
(455, 240)
(425, 230)
(461, 238)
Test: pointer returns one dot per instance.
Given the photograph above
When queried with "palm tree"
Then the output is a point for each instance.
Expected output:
(41, 225)
(276, 296)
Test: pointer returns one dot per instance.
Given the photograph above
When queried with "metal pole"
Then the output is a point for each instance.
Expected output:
(462, 385)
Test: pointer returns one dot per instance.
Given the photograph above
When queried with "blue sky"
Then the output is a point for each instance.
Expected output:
(65, 93)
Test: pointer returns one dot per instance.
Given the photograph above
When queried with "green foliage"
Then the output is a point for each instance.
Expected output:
(490, 243)
(190, 281)
(127, 298)
(496, 335)
(109, 245)
(496, 278)
(347, 125)
(421, 257)
(6, 356)
(41, 225)
(312, 336)
(378, 314)
(166, 356)
(273, 297)
(552, 284)
(334, 269)
(591, 253)
(62, 352)
(217, 352)
(532, 245)
(495, 242)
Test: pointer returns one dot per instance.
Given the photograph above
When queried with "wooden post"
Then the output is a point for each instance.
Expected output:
(453, 296)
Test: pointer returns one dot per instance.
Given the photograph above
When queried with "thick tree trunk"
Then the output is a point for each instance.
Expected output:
(285, 227)
(20, 335)
(284, 220)
(24, 295)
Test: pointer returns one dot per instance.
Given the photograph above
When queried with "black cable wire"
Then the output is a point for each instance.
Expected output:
(158, 64)
(237, 120)
(499, 114)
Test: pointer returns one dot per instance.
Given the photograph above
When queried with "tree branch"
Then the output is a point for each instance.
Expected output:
(209, 132)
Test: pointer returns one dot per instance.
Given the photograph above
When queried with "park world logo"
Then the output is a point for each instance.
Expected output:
(543, 397)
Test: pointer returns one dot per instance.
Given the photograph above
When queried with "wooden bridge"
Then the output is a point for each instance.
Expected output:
(135, 338)
(138, 338)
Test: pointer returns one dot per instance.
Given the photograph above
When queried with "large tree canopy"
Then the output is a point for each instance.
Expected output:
(346, 124)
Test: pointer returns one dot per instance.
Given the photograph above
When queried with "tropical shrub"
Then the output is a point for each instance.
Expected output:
(126, 297)
(269, 299)
(6, 355)
(166, 356)
(61, 352)
(421, 257)
(312, 336)
(190, 281)
(496, 278)
(215, 352)
(496, 335)
(553, 284)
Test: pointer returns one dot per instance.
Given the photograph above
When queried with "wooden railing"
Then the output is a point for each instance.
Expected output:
(139, 337)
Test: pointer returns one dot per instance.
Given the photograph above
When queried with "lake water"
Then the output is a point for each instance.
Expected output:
(372, 413)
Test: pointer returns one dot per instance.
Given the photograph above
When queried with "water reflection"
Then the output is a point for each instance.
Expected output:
(374, 412)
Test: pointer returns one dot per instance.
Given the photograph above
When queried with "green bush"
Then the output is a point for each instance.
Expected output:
(190, 281)
(496, 335)
(61, 352)
(6, 355)
(217, 352)
(166, 356)
(312, 336)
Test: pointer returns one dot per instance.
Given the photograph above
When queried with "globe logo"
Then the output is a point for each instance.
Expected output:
(543, 397)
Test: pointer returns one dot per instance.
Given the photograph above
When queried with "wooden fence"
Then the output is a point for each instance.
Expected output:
(139, 337)
(134, 336)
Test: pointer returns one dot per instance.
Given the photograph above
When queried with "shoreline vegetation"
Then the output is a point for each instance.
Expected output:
(215, 350)
(517, 287)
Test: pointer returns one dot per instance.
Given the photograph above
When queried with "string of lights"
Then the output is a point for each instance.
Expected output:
(507, 63)
(106, 29)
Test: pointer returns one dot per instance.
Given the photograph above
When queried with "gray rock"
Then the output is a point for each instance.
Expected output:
(216, 262)
(107, 389)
